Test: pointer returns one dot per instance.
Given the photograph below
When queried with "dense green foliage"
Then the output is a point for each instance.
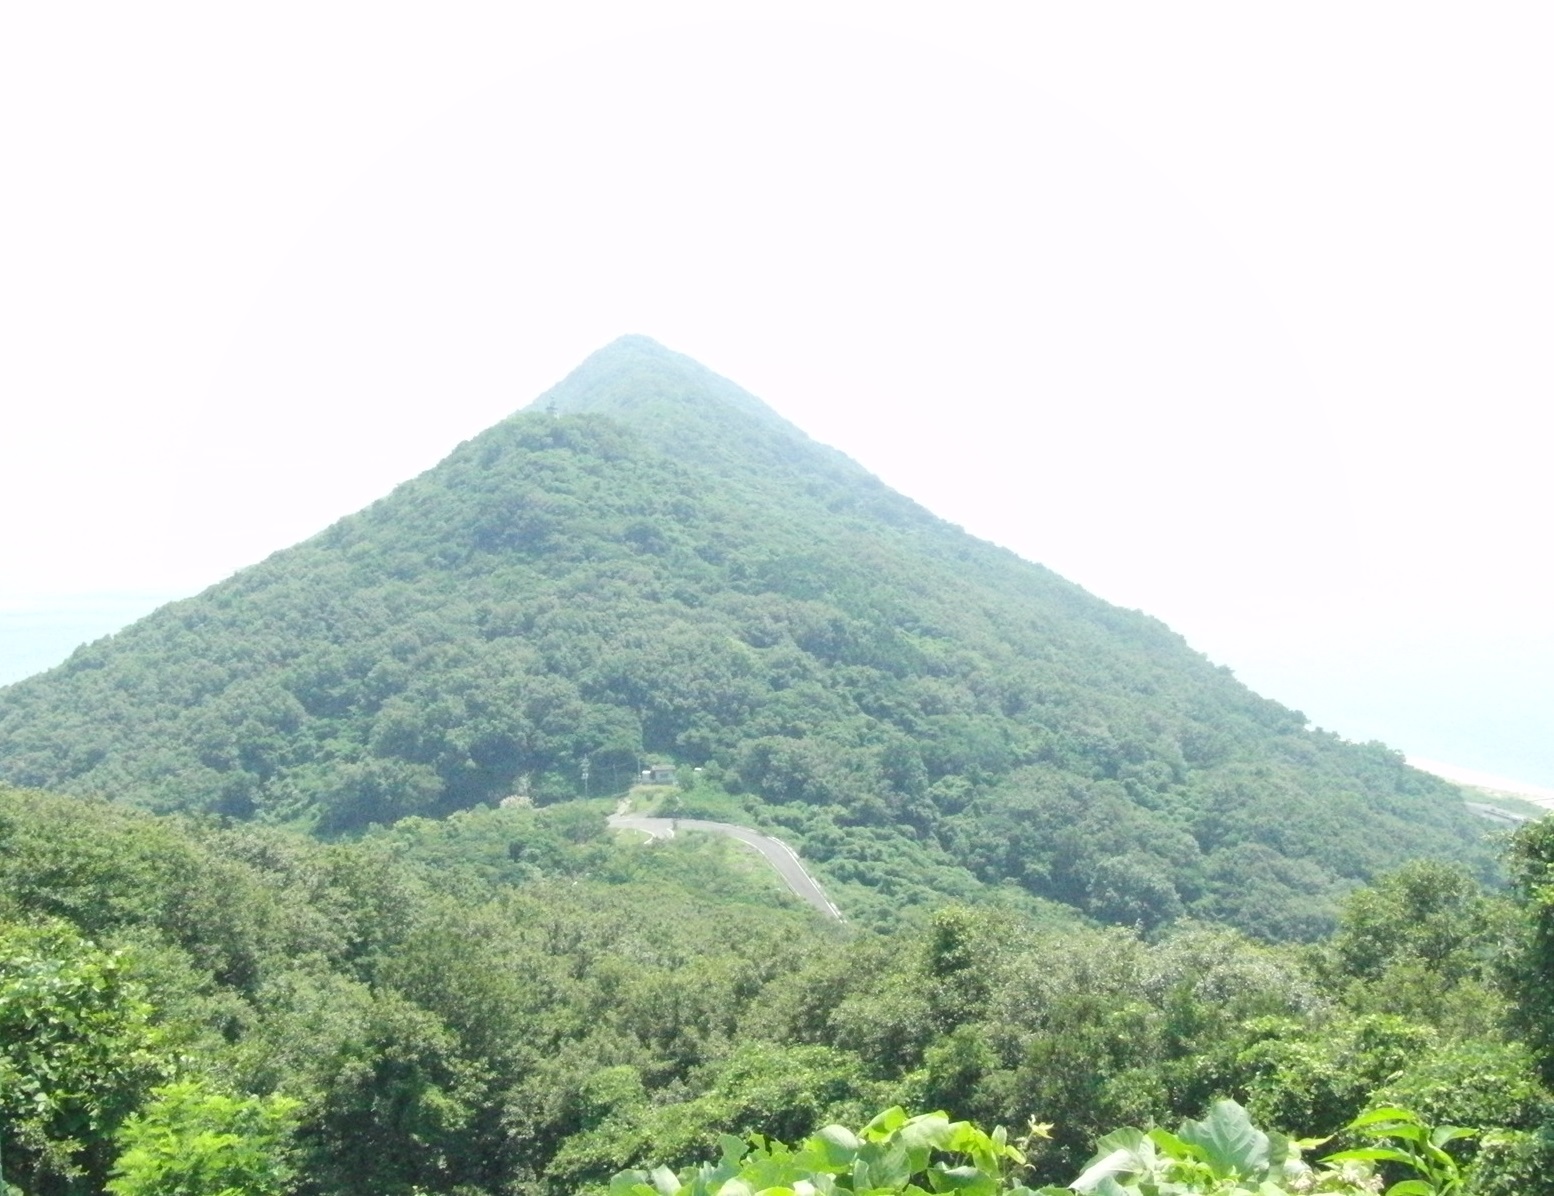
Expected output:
(1224, 1154)
(513, 1001)
(439, 1027)
(651, 563)
(79, 1049)
(188, 1140)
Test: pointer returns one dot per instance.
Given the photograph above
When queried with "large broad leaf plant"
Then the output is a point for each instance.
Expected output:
(1222, 1155)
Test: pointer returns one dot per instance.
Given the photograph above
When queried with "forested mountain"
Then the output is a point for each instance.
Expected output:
(649, 563)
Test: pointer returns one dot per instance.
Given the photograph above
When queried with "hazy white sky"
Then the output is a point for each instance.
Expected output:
(1236, 313)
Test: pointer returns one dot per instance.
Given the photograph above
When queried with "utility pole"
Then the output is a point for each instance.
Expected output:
(585, 776)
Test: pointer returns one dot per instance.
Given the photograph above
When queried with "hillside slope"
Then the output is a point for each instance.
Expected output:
(650, 561)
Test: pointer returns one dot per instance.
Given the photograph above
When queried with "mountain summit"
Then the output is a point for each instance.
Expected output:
(637, 375)
(650, 563)
(680, 407)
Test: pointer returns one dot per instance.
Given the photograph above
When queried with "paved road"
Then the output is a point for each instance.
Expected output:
(778, 854)
(1496, 814)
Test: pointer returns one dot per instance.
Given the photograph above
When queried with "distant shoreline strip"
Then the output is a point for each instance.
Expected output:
(1540, 795)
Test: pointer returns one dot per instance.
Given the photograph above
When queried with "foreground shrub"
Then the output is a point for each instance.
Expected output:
(1222, 1155)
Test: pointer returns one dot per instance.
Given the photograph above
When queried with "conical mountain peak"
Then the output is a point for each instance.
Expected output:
(651, 563)
(673, 403)
(634, 375)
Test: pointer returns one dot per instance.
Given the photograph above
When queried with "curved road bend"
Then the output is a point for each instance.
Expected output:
(778, 854)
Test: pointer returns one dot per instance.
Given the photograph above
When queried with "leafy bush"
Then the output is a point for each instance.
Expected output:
(77, 1052)
(1221, 1155)
(189, 1141)
(887, 1155)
